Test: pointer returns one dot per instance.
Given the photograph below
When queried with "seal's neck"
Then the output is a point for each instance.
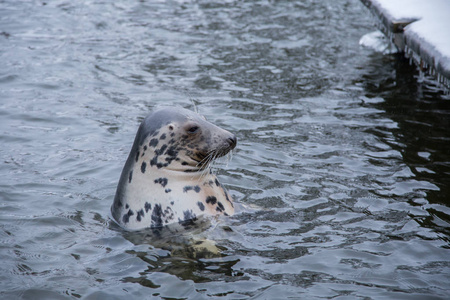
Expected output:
(181, 173)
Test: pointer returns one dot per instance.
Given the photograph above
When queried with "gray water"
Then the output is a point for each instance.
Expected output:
(341, 173)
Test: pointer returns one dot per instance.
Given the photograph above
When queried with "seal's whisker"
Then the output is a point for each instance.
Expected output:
(216, 156)
(209, 160)
(228, 157)
(204, 162)
(208, 163)
(213, 161)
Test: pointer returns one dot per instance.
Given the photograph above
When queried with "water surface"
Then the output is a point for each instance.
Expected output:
(341, 171)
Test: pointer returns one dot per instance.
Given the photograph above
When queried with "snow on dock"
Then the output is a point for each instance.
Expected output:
(420, 29)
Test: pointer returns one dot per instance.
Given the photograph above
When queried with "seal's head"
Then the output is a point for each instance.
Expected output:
(166, 178)
(183, 140)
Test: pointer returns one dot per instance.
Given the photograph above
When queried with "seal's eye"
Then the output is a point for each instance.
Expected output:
(193, 129)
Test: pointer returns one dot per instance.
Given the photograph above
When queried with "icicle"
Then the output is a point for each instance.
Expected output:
(421, 76)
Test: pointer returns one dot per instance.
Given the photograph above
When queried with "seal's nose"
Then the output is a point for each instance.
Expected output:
(232, 140)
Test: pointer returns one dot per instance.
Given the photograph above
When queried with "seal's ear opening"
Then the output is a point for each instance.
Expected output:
(170, 126)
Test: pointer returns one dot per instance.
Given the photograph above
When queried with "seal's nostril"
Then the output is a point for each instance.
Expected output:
(233, 141)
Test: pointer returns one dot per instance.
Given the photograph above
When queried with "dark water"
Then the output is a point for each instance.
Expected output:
(342, 168)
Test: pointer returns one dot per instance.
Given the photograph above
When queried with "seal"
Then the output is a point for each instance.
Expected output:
(167, 177)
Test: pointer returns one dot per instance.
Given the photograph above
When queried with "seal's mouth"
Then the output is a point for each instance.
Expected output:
(205, 159)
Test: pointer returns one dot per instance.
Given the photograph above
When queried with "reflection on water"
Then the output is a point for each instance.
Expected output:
(422, 115)
(340, 174)
(422, 112)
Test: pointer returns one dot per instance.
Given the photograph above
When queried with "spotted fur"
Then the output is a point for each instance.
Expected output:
(166, 178)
